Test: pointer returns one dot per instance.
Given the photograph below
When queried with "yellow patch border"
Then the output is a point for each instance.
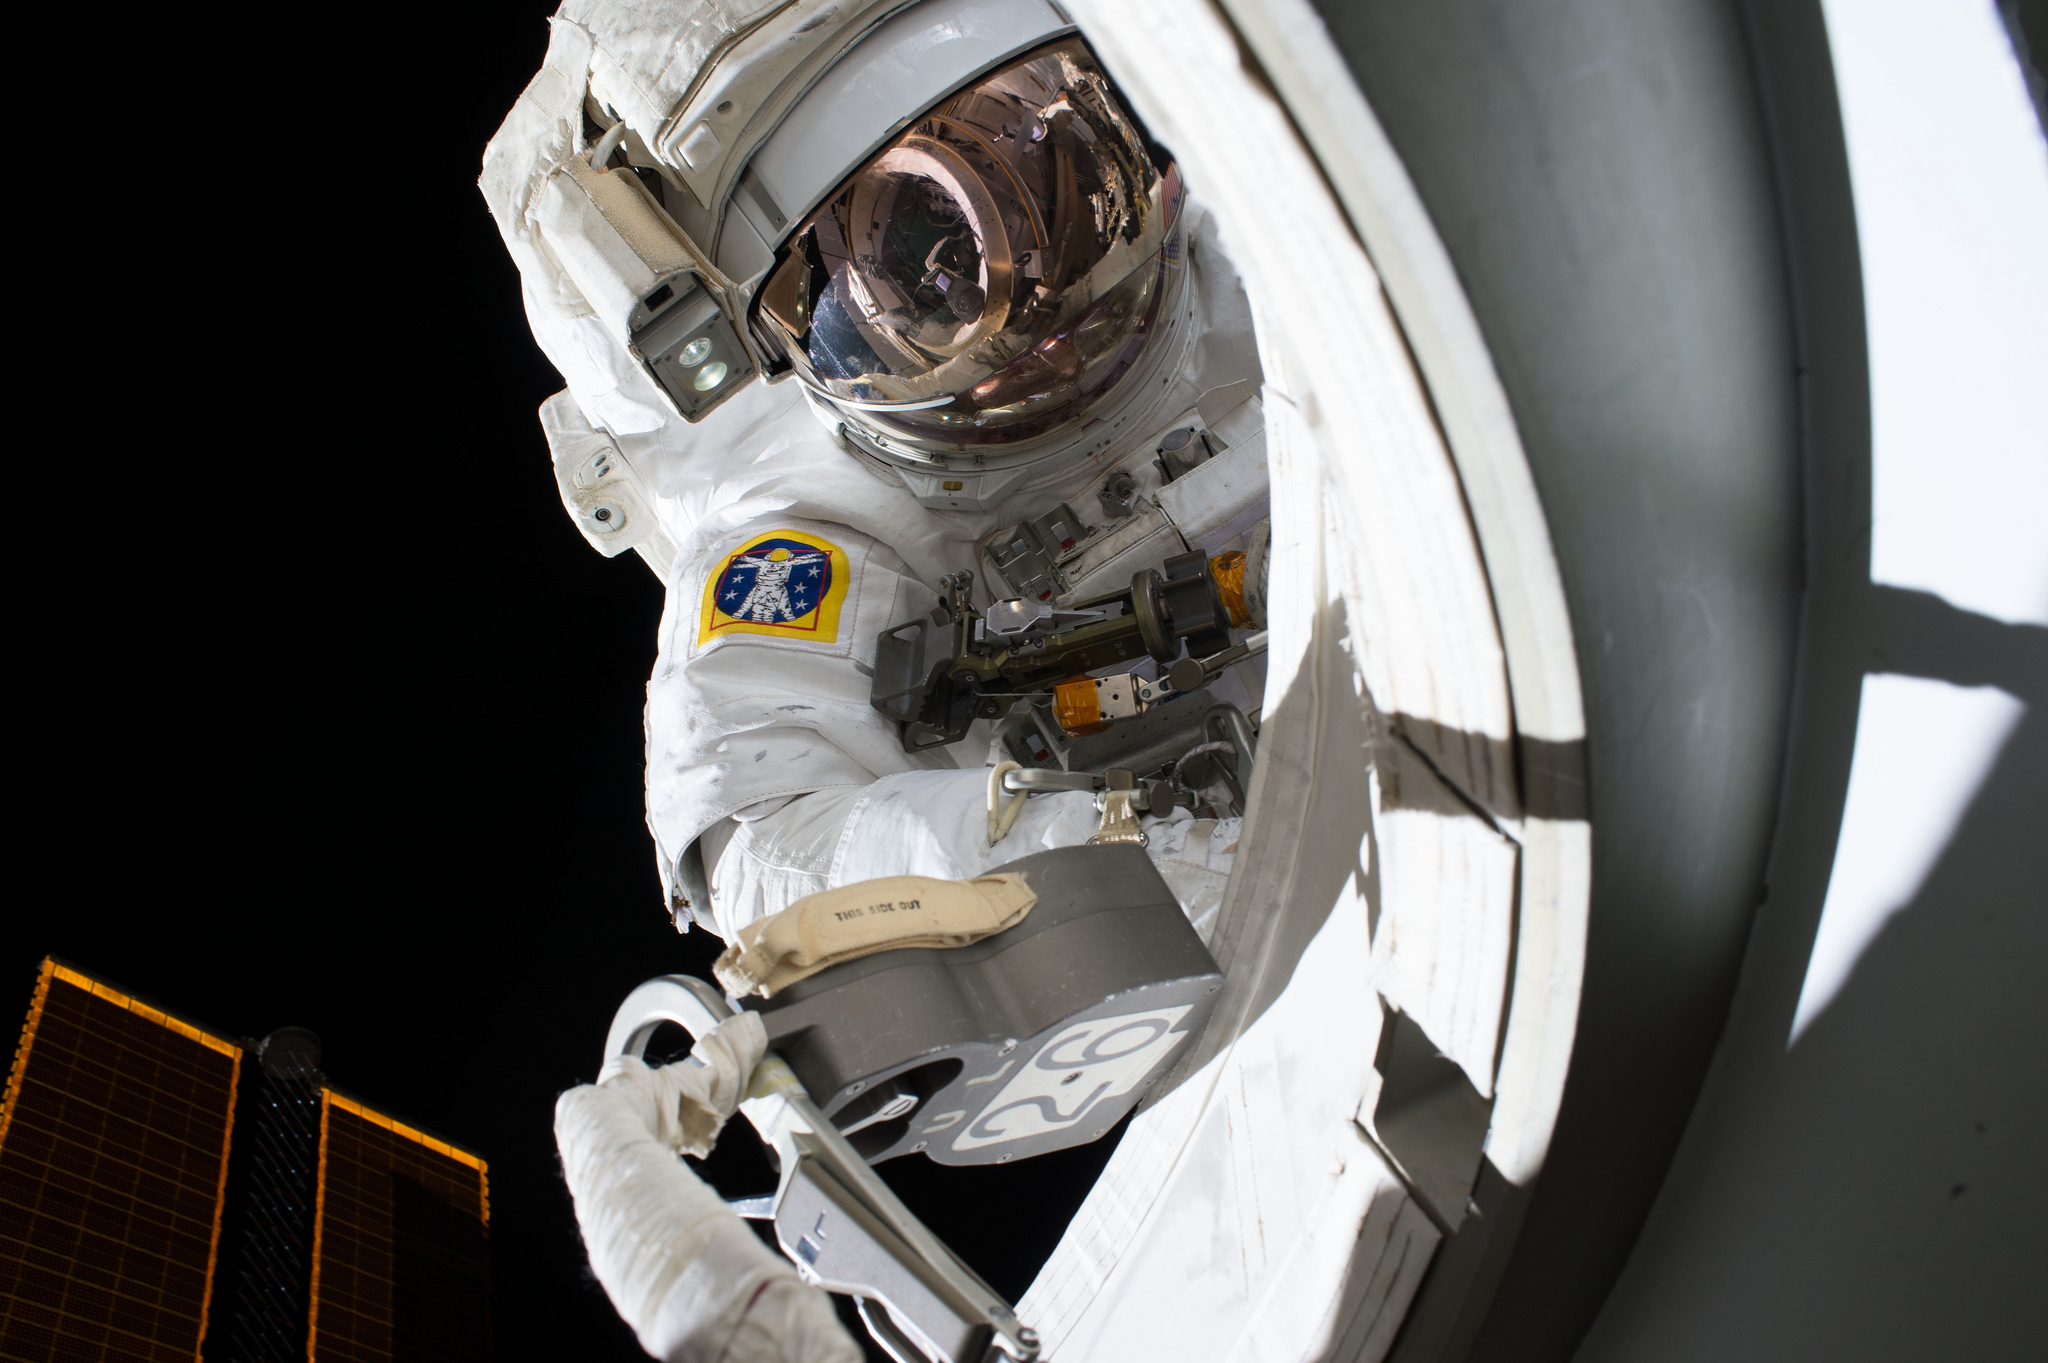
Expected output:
(823, 627)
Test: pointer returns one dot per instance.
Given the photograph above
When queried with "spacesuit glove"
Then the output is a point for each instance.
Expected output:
(792, 1322)
(684, 1104)
(694, 1283)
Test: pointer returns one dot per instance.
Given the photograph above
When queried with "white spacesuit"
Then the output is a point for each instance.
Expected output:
(940, 312)
(864, 310)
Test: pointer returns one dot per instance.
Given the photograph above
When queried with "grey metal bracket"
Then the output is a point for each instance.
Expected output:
(1147, 797)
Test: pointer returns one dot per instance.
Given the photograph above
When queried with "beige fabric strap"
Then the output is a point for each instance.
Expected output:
(852, 921)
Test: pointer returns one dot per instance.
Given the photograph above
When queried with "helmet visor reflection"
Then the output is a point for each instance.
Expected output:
(993, 271)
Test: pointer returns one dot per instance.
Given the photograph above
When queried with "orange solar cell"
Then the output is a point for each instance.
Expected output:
(113, 1164)
(401, 1265)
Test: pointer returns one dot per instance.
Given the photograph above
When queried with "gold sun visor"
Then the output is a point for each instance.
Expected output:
(992, 272)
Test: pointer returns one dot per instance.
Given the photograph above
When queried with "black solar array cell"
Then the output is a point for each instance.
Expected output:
(401, 1243)
(113, 1153)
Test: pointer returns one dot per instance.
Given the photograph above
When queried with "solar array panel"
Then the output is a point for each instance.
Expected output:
(113, 1164)
(401, 1266)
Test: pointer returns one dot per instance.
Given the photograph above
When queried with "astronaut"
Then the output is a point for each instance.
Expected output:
(852, 300)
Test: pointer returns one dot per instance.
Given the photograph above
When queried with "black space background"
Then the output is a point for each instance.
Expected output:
(326, 715)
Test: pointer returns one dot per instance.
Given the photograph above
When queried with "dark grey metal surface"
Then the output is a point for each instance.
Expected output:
(956, 1030)
(1602, 174)
(1867, 1193)
(1427, 1120)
